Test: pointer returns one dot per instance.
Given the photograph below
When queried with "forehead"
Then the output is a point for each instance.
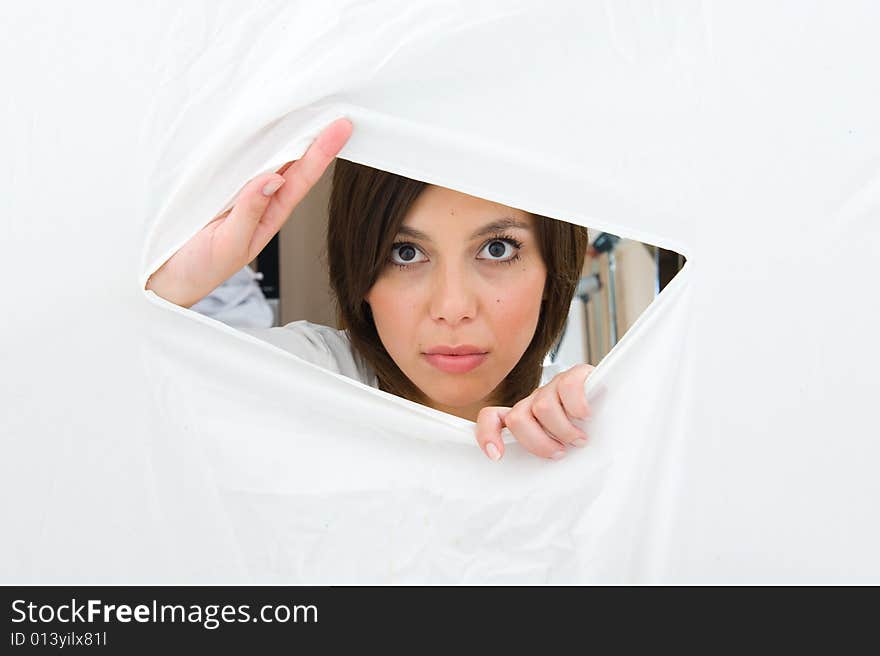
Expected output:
(447, 209)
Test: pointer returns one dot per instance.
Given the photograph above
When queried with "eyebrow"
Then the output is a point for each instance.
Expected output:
(490, 228)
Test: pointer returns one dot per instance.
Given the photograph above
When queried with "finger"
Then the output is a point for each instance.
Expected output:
(490, 422)
(528, 432)
(571, 391)
(301, 176)
(220, 216)
(284, 167)
(232, 237)
(547, 409)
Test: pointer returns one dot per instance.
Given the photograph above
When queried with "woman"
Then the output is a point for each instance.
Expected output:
(444, 298)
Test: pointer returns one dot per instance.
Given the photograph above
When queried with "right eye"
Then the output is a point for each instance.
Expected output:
(407, 254)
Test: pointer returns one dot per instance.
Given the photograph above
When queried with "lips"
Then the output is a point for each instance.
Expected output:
(455, 359)
(464, 349)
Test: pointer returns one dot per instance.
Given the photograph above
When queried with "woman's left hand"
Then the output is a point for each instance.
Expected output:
(541, 422)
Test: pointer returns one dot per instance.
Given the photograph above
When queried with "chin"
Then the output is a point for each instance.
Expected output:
(458, 395)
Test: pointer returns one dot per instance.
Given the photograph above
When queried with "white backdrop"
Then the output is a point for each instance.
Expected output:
(735, 433)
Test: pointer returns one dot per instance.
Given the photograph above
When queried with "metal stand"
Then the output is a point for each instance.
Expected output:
(606, 243)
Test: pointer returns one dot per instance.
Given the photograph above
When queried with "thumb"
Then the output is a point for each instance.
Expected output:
(490, 422)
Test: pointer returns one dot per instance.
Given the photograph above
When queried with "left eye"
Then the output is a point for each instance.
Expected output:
(498, 249)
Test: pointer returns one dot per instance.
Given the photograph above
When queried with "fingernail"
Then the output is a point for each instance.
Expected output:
(558, 455)
(492, 451)
(580, 442)
(272, 186)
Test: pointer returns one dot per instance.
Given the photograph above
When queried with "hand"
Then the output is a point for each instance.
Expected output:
(237, 236)
(541, 422)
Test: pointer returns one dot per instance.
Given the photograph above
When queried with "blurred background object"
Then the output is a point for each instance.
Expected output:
(619, 280)
(239, 302)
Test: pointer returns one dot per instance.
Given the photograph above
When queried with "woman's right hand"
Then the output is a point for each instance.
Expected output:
(236, 237)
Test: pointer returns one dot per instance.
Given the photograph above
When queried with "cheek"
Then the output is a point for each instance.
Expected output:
(393, 308)
(391, 300)
(518, 305)
(515, 311)
(516, 314)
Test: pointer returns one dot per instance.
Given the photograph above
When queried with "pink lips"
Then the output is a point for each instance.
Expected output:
(455, 360)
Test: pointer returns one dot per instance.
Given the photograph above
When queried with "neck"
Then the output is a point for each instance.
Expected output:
(468, 412)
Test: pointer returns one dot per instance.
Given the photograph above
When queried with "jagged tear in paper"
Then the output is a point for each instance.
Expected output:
(734, 436)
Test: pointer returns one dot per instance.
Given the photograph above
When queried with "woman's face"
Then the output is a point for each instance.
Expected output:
(463, 272)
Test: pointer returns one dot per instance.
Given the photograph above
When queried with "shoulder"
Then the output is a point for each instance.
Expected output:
(322, 345)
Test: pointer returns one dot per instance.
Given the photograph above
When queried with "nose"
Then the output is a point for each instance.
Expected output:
(453, 297)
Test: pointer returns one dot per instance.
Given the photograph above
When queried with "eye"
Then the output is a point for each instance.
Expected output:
(502, 249)
(407, 254)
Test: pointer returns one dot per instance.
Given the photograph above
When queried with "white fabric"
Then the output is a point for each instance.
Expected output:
(734, 436)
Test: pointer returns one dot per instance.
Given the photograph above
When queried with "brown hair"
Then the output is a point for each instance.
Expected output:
(367, 207)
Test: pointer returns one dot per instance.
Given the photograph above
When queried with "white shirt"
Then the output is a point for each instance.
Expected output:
(331, 349)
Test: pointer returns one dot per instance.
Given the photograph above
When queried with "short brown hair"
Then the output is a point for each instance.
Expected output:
(367, 207)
